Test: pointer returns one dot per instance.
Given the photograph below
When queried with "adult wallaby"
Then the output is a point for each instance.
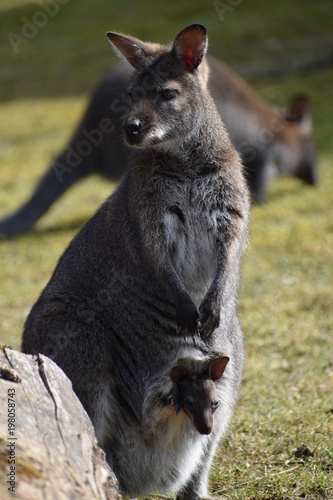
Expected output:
(157, 264)
(270, 143)
(196, 393)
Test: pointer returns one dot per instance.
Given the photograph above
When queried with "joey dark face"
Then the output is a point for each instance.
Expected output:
(199, 400)
(197, 395)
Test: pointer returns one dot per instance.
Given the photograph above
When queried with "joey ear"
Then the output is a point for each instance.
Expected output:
(179, 372)
(131, 48)
(300, 113)
(217, 367)
(190, 46)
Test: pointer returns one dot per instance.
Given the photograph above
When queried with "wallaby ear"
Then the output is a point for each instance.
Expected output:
(300, 113)
(190, 46)
(179, 372)
(217, 367)
(135, 51)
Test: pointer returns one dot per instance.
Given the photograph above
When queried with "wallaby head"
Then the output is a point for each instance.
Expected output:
(299, 119)
(197, 395)
(168, 89)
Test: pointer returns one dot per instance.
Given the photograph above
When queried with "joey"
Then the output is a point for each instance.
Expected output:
(197, 395)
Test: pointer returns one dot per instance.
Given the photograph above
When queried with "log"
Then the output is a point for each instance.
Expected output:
(48, 449)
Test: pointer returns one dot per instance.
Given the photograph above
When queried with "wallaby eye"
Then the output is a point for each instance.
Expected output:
(215, 405)
(168, 94)
(130, 96)
(189, 401)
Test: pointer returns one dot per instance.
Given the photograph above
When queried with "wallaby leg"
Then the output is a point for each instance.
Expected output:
(47, 192)
(66, 169)
(95, 147)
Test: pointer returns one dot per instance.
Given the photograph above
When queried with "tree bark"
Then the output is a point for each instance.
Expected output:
(48, 449)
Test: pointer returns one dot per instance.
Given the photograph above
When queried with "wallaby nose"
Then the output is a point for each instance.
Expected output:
(132, 130)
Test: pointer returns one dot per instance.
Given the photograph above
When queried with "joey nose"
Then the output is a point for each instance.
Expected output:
(204, 425)
(204, 429)
(132, 129)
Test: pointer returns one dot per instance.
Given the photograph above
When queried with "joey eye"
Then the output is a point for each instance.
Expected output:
(130, 96)
(189, 402)
(168, 94)
(215, 405)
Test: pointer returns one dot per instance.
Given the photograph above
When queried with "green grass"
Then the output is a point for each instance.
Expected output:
(286, 299)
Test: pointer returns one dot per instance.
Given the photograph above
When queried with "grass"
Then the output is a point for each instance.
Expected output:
(287, 289)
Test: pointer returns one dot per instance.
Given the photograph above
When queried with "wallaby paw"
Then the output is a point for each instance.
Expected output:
(208, 321)
(187, 319)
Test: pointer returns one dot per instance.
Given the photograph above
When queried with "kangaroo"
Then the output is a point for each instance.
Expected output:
(270, 143)
(196, 394)
(155, 268)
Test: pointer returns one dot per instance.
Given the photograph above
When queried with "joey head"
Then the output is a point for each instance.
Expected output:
(197, 395)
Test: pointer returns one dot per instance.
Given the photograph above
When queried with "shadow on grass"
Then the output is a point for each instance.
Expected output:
(60, 227)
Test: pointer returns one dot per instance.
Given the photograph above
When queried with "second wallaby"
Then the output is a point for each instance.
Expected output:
(156, 266)
(196, 394)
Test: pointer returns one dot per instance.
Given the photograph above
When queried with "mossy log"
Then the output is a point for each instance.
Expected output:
(48, 449)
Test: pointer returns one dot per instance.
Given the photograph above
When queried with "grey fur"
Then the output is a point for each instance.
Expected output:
(157, 265)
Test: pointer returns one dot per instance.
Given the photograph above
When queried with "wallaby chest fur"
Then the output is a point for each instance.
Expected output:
(157, 265)
(191, 214)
